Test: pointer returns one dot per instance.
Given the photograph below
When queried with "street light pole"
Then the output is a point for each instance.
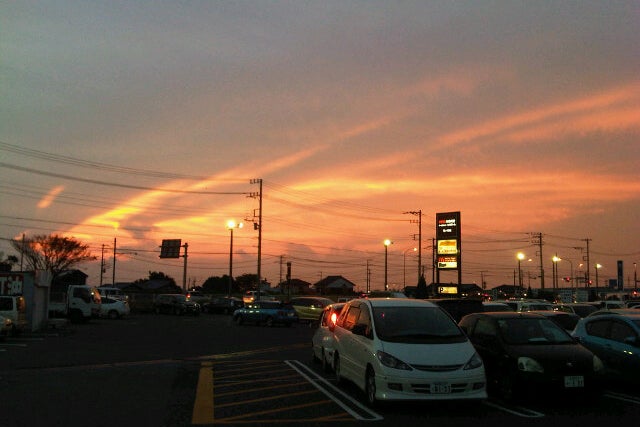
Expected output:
(231, 224)
(404, 266)
(520, 257)
(387, 242)
(555, 260)
(597, 267)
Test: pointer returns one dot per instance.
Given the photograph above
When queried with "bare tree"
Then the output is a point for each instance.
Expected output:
(53, 253)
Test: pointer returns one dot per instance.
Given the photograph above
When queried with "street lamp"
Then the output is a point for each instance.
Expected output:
(404, 265)
(520, 257)
(386, 242)
(555, 260)
(597, 267)
(231, 224)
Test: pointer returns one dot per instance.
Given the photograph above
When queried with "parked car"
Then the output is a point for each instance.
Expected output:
(111, 292)
(6, 327)
(402, 349)
(114, 308)
(614, 335)
(14, 307)
(527, 355)
(224, 305)
(529, 304)
(581, 309)
(177, 304)
(269, 313)
(633, 304)
(459, 307)
(566, 321)
(495, 306)
(608, 304)
(199, 297)
(322, 342)
(251, 296)
(309, 308)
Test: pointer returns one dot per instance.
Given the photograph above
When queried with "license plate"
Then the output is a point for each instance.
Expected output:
(440, 388)
(574, 381)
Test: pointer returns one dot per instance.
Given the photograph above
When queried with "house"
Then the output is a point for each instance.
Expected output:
(334, 285)
(298, 286)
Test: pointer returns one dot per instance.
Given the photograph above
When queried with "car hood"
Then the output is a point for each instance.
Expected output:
(573, 353)
(430, 354)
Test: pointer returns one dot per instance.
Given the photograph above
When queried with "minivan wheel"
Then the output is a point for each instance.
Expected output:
(336, 368)
(113, 314)
(269, 321)
(370, 387)
(325, 364)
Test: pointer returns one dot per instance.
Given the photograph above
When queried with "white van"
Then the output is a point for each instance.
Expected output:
(14, 308)
(405, 349)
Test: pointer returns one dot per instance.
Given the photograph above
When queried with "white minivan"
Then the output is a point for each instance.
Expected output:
(405, 349)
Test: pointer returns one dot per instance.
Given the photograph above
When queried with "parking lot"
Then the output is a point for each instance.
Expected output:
(164, 370)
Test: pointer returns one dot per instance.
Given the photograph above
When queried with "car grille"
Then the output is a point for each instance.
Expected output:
(437, 368)
(425, 388)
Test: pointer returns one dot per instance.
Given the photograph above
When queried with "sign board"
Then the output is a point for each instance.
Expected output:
(448, 290)
(170, 248)
(11, 284)
(448, 240)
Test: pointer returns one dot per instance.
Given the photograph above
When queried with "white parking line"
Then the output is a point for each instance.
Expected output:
(372, 416)
(516, 410)
(622, 397)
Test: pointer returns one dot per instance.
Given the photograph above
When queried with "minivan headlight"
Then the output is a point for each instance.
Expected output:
(474, 363)
(392, 362)
(527, 364)
(597, 364)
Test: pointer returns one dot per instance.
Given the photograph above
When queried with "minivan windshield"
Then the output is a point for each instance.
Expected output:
(415, 325)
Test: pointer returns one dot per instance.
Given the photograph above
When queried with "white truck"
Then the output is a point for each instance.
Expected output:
(79, 303)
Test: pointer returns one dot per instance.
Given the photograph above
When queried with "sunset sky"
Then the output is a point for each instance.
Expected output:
(147, 120)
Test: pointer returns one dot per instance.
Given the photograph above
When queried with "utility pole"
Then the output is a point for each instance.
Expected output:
(418, 213)
(259, 227)
(184, 270)
(482, 284)
(102, 265)
(586, 275)
(537, 240)
(113, 277)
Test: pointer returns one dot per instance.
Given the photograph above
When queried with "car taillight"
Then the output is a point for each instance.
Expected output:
(334, 317)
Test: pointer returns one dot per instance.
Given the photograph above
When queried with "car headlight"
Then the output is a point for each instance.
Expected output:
(474, 362)
(391, 362)
(597, 364)
(527, 364)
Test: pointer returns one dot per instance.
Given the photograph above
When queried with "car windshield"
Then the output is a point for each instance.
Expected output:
(523, 330)
(415, 325)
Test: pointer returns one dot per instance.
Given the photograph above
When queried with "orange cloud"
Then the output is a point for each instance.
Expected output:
(47, 200)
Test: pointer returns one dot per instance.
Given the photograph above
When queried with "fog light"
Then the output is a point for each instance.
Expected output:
(394, 386)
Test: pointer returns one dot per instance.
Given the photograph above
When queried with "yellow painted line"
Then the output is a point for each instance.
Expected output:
(275, 410)
(203, 405)
(249, 352)
(266, 399)
(254, 389)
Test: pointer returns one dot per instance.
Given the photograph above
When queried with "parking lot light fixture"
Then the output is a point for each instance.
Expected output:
(520, 257)
(386, 242)
(231, 224)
